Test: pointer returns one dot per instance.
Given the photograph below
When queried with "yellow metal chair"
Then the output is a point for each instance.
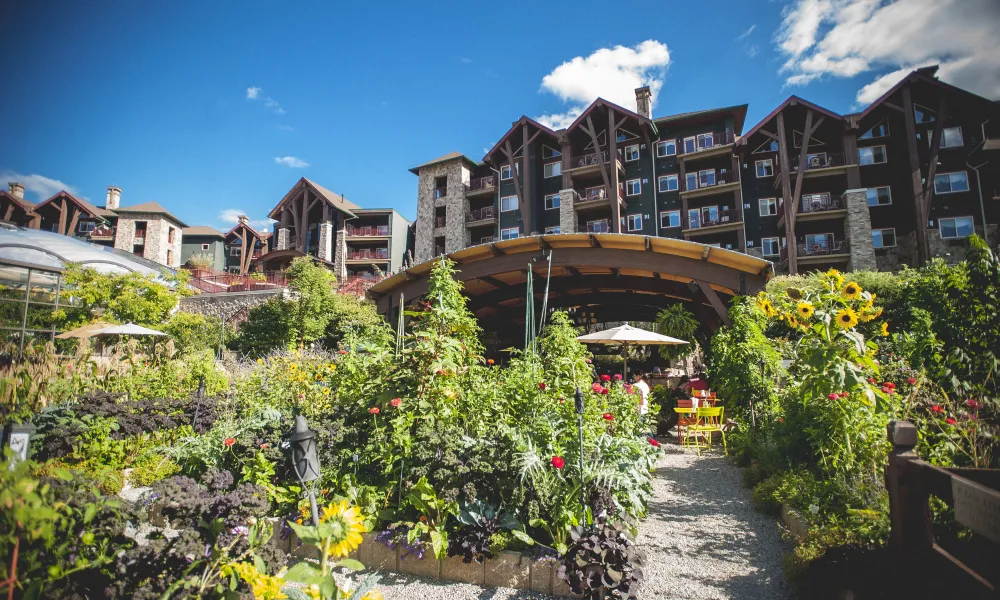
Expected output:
(710, 422)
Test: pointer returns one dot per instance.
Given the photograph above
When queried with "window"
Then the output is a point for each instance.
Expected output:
(508, 203)
(634, 222)
(951, 137)
(633, 187)
(871, 155)
(949, 183)
(552, 229)
(768, 207)
(440, 187)
(709, 215)
(666, 148)
(510, 233)
(818, 241)
(667, 183)
(691, 181)
(765, 168)
(922, 114)
(670, 218)
(234, 269)
(879, 196)
(706, 178)
(769, 246)
(958, 227)
(884, 238)
(506, 173)
(690, 144)
(694, 219)
(551, 201)
(552, 169)
(767, 146)
(705, 141)
(600, 226)
(880, 130)
(234, 251)
(549, 152)
(632, 153)
(85, 227)
(204, 246)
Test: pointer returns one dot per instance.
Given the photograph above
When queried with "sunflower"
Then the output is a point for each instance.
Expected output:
(374, 595)
(347, 525)
(805, 309)
(765, 305)
(292, 367)
(794, 293)
(884, 329)
(868, 315)
(792, 321)
(852, 290)
(846, 319)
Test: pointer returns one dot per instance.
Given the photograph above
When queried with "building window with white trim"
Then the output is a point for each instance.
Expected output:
(204, 246)
(765, 168)
(506, 173)
(599, 226)
(871, 155)
(666, 148)
(884, 238)
(552, 169)
(554, 229)
(956, 228)
(634, 222)
(508, 203)
(632, 153)
(879, 196)
(951, 137)
(769, 246)
(234, 251)
(950, 183)
(85, 227)
(633, 187)
(670, 218)
(768, 207)
(551, 201)
(667, 183)
(510, 233)
(706, 178)
(705, 141)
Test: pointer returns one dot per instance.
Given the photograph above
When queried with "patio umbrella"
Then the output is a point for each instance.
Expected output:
(624, 335)
(126, 329)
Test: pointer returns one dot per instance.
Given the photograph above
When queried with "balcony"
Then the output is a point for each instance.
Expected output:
(102, 232)
(816, 207)
(487, 239)
(139, 239)
(368, 231)
(709, 182)
(482, 216)
(482, 186)
(819, 164)
(368, 255)
(820, 251)
(591, 163)
(602, 226)
(706, 145)
(702, 223)
(595, 197)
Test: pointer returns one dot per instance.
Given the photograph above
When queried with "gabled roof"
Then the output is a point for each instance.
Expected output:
(792, 100)
(203, 230)
(927, 74)
(602, 102)
(524, 120)
(447, 157)
(22, 202)
(83, 204)
(738, 112)
(335, 200)
(256, 233)
(149, 207)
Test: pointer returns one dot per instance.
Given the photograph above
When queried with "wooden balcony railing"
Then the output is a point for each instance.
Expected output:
(818, 248)
(369, 254)
(103, 231)
(821, 160)
(482, 184)
(820, 202)
(592, 160)
(721, 177)
(481, 214)
(487, 239)
(368, 231)
(591, 194)
(598, 226)
(703, 219)
(719, 138)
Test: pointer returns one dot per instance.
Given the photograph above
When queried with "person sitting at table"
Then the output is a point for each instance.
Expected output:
(700, 382)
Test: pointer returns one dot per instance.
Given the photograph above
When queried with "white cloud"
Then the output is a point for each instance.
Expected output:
(752, 50)
(231, 216)
(746, 33)
(466, 60)
(253, 92)
(291, 161)
(609, 73)
(845, 38)
(43, 187)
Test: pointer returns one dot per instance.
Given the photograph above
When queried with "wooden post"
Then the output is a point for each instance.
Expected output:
(786, 196)
(909, 509)
(916, 179)
(525, 201)
(616, 209)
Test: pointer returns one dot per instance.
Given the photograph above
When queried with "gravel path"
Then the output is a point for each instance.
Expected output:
(702, 541)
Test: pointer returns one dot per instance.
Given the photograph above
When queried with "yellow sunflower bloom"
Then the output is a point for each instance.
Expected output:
(768, 308)
(260, 361)
(347, 525)
(326, 391)
(884, 329)
(794, 293)
(292, 367)
(834, 277)
(805, 309)
(313, 592)
(374, 595)
(846, 319)
(792, 321)
(852, 290)
(318, 376)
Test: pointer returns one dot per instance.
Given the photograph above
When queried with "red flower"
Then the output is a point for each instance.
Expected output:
(972, 404)
(629, 389)
(781, 419)
(654, 443)
(845, 394)
(597, 388)
(605, 378)
(541, 386)
(609, 417)
(888, 390)
(618, 376)
(229, 442)
(558, 462)
(265, 446)
(374, 410)
(833, 396)
(911, 380)
(395, 402)
(889, 385)
(489, 361)
(937, 409)
(871, 380)
(604, 391)
(343, 352)
(950, 421)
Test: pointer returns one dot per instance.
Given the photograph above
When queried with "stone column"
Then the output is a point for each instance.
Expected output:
(325, 250)
(340, 252)
(858, 230)
(567, 212)
(283, 236)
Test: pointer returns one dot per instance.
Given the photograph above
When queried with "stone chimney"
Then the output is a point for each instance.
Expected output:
(16, 189)
(644, 101)
(244, 220)
(114, 198)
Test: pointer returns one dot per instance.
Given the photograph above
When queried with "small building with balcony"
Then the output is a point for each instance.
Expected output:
(379, 242)
(207, 242)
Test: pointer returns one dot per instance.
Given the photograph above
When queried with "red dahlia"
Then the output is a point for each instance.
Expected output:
(558, 462)
(229, 442)
(374, 410)
(609, 417)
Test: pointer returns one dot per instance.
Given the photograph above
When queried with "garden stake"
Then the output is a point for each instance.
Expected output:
(579, 425)
(545, 298)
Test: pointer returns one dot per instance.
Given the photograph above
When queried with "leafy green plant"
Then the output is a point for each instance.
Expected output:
(602, 560)
(678, 322)
(434, 512)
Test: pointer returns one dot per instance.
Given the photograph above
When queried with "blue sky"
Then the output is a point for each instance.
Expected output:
(215, 107)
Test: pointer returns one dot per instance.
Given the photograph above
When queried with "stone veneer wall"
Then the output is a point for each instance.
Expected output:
(858, 230)
(455, 233)
(325, 250)
(953, 251)
(904, 253)
(567, 213)
(340, 253)
(227, 304)
(156, 244)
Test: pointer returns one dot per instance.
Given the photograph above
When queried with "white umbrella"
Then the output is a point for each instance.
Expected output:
(126, 329)
(624, 335)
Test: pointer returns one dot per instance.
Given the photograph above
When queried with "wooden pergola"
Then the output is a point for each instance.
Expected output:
(612, 276)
